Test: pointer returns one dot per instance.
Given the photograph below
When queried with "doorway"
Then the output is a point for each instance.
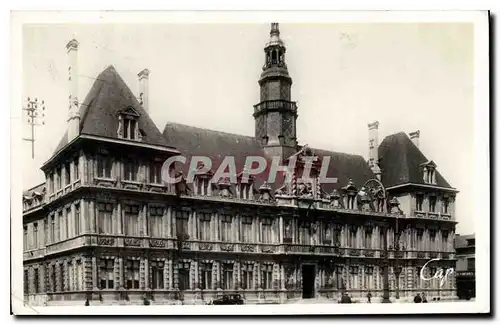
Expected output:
(308, 276)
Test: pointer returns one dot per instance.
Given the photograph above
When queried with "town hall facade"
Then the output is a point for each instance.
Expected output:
(104, 227)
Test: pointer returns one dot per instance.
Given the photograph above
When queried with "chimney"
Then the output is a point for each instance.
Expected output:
(414, 137)
(144, 89)
(74, 113)
(373, 144)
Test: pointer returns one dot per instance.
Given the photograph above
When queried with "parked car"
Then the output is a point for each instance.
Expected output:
(234, 299)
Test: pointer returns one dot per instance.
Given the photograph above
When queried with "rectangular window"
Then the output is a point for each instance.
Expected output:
(227, 276)
(432, 204)
(25, 237)
(157, 268)
(35, 235)
(206, 276)
(66, 223)
(247, 276)
(133, 267)
(132, 220)
(246, 229)
(471, 264)
(155, 173)
(368, 237)
(77, 219)
(446, 203)
(304, 233)
(129, 128)
(267, 233)
(67, 172)
(351, 237)
(183, 271)
(61, 229)
(106, 273)
(204, 231)
(225, 225)
(76, 169)
(420, 241)
(26, 282)
(104, 166)
(420, 201)
(36, 280)
(45, 232)
(53, 228)
(267, 276)
(336, 235)
(155, 221)
(53, 278)
(59, 178)
(130, 170)
(62, 278)
(181, 222)
(105, 218)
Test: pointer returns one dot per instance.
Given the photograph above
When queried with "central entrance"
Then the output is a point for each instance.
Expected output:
(308, 275)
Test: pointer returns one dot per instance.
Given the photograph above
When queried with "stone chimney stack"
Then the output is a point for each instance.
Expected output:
(74, 112)
(144, 89)
(415, 137)
(373, 144)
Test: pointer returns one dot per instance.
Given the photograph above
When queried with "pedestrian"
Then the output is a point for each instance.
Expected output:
(345, 299)
(424, 299)
(369, 296)
(417, 299)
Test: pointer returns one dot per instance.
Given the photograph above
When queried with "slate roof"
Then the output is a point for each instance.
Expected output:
(108, 95)
(400, 161)
(194, 141)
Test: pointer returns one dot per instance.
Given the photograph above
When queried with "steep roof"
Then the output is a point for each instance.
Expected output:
(194, 141)
(109, 95)
(400, 161)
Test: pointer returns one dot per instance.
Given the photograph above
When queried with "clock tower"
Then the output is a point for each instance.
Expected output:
(276, 115)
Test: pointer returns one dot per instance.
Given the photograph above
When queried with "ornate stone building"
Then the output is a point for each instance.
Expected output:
(105, 227)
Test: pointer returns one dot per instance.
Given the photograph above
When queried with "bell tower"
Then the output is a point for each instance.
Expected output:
(276, 115)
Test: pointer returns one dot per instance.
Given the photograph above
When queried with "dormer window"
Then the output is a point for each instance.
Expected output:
(429, 169)
(244, 189)
(128, 127)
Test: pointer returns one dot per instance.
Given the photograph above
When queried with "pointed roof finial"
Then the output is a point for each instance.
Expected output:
(275, 29)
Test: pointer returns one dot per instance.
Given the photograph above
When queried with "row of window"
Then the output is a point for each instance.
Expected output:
(206, 273)
(56, 178)
(68, 226)
(56, 278)
(130, 169)
(445, 203)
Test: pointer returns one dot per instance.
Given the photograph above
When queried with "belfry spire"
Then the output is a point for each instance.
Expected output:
(275, 115)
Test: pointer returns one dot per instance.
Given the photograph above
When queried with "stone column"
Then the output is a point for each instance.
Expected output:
(121, 272)
(196, 274)
(194, 228)
(280, 225)
(92, 217)
(170, 274)
(119, 218)
(216, 226)
(144, 223)
(145, 273)
(167, 222)
(94, 273)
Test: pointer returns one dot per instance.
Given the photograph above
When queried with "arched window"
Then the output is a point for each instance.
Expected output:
(274, 58)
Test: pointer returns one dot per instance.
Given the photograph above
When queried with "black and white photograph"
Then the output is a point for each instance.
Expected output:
(171, 163)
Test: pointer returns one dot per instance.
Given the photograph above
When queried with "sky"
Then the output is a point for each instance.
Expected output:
(407, 76)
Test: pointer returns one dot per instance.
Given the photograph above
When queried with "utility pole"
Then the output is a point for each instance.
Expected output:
(34, 112)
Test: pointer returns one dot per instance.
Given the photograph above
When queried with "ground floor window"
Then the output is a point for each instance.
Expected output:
(206, 276)
(267, 276)
(157, 268)
(183, 274)
(247, 276)
(133, 267)
(106, 274)
(227, 276)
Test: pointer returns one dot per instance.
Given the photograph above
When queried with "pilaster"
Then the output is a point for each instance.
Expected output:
(119, 218)
(92, 217)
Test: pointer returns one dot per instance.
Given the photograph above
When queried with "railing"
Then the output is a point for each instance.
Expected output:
(430, 215)
(275, 104)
